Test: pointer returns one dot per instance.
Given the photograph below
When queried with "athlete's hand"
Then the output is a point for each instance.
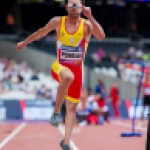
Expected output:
(87, 11)
(21, 45)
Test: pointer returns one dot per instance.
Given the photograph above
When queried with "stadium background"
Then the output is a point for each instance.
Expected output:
(27, 91)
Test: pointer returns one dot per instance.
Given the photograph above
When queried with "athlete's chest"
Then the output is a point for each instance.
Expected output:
(71, 28)
(71, 39)
(71, 43)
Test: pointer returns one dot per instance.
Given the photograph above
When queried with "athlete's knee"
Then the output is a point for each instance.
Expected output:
(67, 76)
(71, 107)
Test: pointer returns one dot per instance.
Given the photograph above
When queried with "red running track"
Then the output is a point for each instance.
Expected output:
(41, 136)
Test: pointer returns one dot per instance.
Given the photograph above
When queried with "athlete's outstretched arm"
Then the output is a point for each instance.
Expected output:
(95, 27)
(51, 25)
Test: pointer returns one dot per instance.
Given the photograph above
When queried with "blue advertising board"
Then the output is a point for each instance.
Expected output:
(37, 109)
(2, 111)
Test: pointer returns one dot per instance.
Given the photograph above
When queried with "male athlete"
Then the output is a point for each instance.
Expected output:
(73, 35)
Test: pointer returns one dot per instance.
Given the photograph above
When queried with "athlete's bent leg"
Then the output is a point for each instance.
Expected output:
(66, 78)
(69, 120)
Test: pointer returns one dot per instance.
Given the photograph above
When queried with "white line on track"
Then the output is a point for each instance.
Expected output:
(12, 135)
(128, 125)
(62, 130)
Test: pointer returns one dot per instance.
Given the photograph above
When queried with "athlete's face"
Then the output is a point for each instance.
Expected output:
(74, 8)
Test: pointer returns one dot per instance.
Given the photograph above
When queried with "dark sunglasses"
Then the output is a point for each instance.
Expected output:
(70, 5)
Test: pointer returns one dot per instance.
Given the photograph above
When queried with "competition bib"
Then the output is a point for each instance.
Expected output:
(71, 55)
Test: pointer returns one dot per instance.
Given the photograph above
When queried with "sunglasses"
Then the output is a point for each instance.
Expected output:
(70, 5)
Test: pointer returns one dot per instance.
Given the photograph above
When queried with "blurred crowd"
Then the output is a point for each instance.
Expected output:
(114, 60)
(94, 103)
(17, 77)
(132, 53)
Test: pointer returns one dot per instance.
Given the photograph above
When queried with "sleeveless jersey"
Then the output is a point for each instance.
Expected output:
(71, 47)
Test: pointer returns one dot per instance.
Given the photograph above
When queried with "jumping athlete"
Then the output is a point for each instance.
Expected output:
(73, 35)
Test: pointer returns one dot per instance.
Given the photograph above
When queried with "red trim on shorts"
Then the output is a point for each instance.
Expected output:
(54, 75)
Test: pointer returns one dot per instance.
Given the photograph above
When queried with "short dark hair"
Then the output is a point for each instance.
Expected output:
(82, 1)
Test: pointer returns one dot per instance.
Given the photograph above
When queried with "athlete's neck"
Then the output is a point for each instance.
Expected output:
(71, 20)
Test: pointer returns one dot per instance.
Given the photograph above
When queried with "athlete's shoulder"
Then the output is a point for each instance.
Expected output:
(56, 19)
(54, 22)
